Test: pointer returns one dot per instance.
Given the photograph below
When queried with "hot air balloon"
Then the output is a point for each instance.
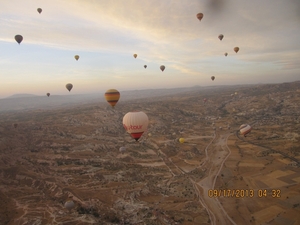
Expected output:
(69, 86)
(134, 55)
(226, 54)
(39, 10)
(48, 94)
(112, 96)
(122, 149)
(200, 16)
(15, 125)
(76, 57)
(212, 77)
(19, 38)
(236, 49)
(221, 37)
(69, 204)
(235, 93)
(181, 140)
(135, 123)
(204, 100)
(245, 129)
(145, 66)
(162, 68)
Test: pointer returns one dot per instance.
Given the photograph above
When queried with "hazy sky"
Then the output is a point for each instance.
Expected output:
(106, 34)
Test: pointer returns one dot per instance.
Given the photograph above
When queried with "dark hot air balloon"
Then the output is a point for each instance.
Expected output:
(39, 10)
(19, 38)
(48, 94)
(236, 49)
(200, 16)
(212, 77)
(221, 37)
(162, 68)
(69, 86)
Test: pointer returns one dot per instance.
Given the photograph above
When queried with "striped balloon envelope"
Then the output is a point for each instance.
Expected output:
(135, 123)
(112, 96)
(245, 129)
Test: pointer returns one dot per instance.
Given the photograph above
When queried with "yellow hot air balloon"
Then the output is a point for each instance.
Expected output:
(39, 10)
(236, 49)
(69, 86)
(76, 57)
(200, 16)
(245, 129)
(134, 55)
(19, 38)
(162, 68)
(226, 54)
(135, 123)
(48, 94)
(212, 77)
(221, 37)
(181, 140)
(112, 96)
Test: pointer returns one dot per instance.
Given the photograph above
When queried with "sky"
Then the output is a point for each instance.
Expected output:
(106, 34)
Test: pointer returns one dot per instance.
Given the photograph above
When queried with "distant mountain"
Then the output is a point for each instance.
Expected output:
(22, 95)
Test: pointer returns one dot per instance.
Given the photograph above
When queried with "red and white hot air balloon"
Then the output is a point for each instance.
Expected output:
(135, 123)
(245, 129)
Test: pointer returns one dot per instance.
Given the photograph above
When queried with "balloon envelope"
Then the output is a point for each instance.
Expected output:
(76, 57)
(181, 140)
(245, 129)
(236, 49)
(69, 205)
(221, 37)
(145, 66)
(48, 94)
(122, 149)
(135, 123)
(200, 16)
(212, 77)
(112, 96)
(162, 67)
(69, 86)
(39, 10)
(19, 38)
(134, 55)
(226, 54)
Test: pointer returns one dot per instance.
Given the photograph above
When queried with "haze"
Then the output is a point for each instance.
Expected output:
(106, 34)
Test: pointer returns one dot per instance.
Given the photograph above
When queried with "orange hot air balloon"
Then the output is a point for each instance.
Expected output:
(19, 38)
(135, 123)
(226, 54)
(76, 57)
(212, 77)
(39, 10)
(145, 66)
(236, 49)
(112, 96)
(134, 55)
(48, 94)
(69, 86)
(245, 129)
(221, 37)
(162, 68)
(200, 16)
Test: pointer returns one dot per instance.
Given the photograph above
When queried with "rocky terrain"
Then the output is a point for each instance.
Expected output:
(216, 177)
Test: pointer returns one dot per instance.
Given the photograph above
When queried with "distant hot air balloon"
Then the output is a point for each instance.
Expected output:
(145, 66)
(221, 37)
(134, 55)
(236, 49)
(200, 16)
(48, 94)
(162, 68)
(76, 57)
(122, 149)
(235, 93)
(245, 129)
(212, 77)
(69, 86)
(204, 100)
(19, 38)
(135, 123)
(15, 125)
(112, 96)
(226, 54)
(39, 10)
(69, 204)
(181, 140)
